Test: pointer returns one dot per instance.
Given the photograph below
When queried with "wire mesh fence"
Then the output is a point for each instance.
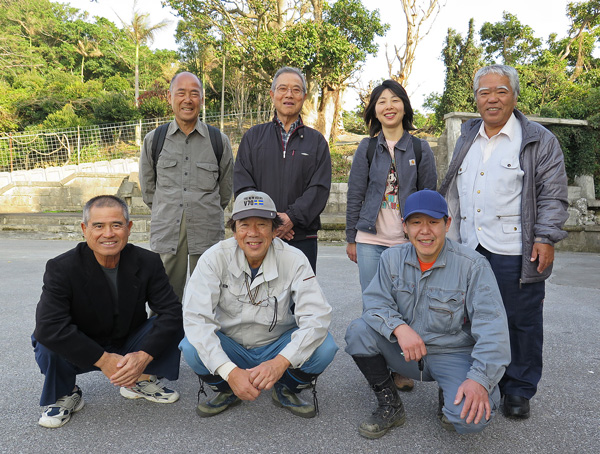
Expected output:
(41, 149)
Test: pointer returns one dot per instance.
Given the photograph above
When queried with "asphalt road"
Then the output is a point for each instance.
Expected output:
(564, 412)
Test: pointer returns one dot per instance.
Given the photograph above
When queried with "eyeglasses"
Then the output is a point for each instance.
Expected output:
(282, 90)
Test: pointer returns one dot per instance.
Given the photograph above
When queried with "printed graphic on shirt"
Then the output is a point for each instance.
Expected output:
(390, 197)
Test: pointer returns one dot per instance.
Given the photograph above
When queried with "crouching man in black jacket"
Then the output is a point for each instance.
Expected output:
(92, 316)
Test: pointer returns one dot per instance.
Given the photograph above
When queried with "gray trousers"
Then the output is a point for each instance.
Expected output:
(176, 265)
(449, 370)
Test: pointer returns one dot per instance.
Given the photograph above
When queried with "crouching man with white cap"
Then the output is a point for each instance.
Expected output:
(433, 311)
(255, 317)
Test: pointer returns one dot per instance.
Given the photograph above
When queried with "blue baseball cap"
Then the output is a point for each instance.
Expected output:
(426, 202)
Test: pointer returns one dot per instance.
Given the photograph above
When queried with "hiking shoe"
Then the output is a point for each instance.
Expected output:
(218, 404)
(403, 383)
(282, 397)
(151, 390)
(58, 415)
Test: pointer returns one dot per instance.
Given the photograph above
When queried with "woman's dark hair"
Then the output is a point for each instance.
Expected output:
(371, 120)
(277, 222)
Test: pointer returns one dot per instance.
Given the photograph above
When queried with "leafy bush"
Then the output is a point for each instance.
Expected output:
(153, 102)
(65, 118)
(115, 107)
(154, 108)
(117, 84)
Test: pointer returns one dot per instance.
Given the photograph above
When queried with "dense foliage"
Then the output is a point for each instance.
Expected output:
(59, 68)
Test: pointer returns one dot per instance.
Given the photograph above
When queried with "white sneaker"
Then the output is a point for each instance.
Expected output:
(152, 390)
(59, 414)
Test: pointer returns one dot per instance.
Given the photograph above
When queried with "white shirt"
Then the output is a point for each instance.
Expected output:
(490, 183)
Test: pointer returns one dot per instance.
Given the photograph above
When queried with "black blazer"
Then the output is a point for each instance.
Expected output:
(75, 314)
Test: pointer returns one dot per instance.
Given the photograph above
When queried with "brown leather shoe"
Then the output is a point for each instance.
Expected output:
(403, 383)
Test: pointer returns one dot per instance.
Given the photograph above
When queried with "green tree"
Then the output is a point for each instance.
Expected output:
(259, 35)
(583, 34)
(87, 49)
(462, 59)
(509, 41)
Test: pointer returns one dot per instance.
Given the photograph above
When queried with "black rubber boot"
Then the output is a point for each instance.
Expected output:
(390, 411)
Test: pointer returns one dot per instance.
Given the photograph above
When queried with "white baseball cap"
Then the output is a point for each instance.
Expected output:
(253, 203)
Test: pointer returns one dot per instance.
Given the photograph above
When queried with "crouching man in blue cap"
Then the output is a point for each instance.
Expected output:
(433, 312)
(255, 317)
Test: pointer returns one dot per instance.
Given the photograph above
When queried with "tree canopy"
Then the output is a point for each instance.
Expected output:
(55, 59)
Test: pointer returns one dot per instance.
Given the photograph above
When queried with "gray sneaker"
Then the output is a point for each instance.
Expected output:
(59, 414)
(151, 390)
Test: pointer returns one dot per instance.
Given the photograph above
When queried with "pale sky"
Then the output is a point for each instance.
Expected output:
(544, 16)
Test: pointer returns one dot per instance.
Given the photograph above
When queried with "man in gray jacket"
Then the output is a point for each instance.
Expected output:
(433, 311)
(506, 187)
(188, 186)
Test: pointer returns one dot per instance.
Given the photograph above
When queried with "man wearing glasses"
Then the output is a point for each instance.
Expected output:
(290, 162)
(255, 317)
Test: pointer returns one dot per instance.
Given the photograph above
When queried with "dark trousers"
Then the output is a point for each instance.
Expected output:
(309, 247)
(60, 374)
(524, 304)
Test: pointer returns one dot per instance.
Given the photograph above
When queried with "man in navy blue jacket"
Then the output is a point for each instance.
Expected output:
(290, 162)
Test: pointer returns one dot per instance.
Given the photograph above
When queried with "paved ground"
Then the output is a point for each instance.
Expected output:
(564, 413)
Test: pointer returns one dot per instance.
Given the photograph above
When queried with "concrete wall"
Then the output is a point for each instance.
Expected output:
(67, 190)
(61, 188)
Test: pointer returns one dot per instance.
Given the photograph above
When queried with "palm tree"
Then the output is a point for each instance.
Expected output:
(87, 48)
(141, 32)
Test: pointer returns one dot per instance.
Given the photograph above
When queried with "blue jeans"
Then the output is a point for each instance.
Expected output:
(60, 374)
(248, 358)
(367, 256)
(449, 370)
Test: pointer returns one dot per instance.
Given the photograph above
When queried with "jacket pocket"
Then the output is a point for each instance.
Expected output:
(207, 176)
(166, 172)
(510, 177)
(446, 311)
(462, 182)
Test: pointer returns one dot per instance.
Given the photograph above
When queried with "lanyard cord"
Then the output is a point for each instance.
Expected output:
(251, 296)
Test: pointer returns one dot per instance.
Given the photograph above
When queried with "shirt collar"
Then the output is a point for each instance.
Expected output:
(294, 125)
(174, 127)
(509, 129)
(440, 261)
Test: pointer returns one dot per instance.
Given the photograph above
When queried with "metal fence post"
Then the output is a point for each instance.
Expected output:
(10, 150)
(78, 145)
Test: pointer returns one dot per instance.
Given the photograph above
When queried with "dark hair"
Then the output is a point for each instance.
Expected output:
(277, 222)
(102, 201)
(371, 120)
